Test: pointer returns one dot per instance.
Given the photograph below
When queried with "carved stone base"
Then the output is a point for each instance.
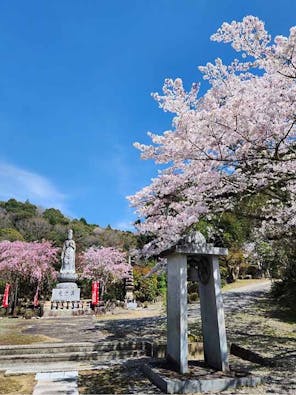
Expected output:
(68, 277)
(66, 292)
(67, 309)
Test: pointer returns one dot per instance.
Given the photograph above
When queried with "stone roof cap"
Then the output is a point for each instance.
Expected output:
(195, 244)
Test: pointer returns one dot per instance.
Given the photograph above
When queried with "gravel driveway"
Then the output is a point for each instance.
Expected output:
(236, 299)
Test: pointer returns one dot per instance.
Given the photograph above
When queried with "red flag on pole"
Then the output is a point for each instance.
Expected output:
(95, 293)
(5, 303)
(36, 301)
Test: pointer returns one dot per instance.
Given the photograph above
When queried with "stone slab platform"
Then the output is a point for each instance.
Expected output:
(199, 378)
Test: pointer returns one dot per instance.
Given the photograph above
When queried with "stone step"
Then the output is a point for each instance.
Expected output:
(45, 348)
(58, 366)
(57, 348)
(71, 356)
(62, 366)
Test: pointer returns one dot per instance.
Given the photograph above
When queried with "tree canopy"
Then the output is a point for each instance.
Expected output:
(235, 142)
(27, 222)
(105, 264)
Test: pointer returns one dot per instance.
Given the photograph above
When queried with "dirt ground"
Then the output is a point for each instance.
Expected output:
(22, 384)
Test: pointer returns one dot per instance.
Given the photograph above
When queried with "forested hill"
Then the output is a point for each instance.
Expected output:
(25, 221)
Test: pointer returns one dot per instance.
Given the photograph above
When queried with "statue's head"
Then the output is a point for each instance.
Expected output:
(70, 234)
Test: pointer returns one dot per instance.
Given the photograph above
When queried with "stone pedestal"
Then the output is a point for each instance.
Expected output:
(67, 309)
(66, 292)
(67, 289)
(177, 341)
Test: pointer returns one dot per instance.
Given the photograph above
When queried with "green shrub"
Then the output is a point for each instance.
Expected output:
(10, 234)
(146, 288)
(284, 292)
(115, 291)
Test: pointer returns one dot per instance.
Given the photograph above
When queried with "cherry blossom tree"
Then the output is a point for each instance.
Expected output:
(31, 262)
(234, 142)
(103, 264)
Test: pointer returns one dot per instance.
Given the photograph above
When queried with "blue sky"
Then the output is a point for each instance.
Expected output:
(75, 84)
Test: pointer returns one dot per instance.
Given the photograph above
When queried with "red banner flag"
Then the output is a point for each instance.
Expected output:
(5, 303)
(95, 293)
(36, 301)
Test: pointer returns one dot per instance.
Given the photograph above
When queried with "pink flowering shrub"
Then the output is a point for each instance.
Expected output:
(21, 261)
(104, 264)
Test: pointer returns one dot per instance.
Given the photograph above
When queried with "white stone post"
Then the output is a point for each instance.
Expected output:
(177, 342)
(212, 314)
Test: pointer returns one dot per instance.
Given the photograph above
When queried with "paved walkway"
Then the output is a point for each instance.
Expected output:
(56, 383)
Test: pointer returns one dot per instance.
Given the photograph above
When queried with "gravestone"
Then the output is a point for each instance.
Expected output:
(67, 289)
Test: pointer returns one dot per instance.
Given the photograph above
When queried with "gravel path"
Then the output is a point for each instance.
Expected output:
(149, 323)
(154, 327)
(236, 299)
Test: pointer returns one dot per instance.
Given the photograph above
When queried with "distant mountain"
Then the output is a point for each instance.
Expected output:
(25, 221)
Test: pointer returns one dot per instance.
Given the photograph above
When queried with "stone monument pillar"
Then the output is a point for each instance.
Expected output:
(67, 290)
(177, 342)
(202, 259)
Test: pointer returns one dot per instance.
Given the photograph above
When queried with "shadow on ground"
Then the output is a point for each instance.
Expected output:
(127, 378)
(148, 328)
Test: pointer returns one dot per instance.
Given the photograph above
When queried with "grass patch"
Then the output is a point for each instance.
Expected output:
(243, 283)
(22, 384)
(11, 333)
(20, 339)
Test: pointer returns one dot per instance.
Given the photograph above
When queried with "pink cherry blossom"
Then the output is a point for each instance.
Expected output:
(31, 261)
(237, 140)
(104, 264)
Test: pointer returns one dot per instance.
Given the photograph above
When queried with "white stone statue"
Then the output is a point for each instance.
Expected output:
(68, 254)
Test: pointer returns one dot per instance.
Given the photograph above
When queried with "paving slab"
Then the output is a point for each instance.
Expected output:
(57, 376)
(17, 369)
(64, 382)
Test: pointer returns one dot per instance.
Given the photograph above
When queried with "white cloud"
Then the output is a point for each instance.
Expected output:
(22, 184)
